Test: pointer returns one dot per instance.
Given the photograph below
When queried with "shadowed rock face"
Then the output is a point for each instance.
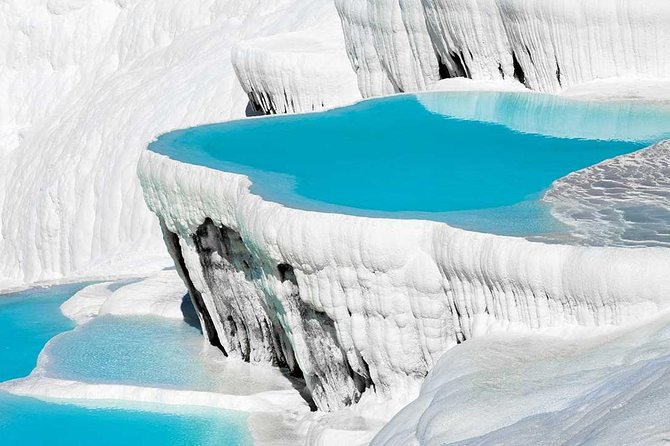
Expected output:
(231, 275)
(329, 369)
(253, 310)
(172, 243)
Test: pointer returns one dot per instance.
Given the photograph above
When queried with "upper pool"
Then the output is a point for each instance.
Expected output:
(476, 160)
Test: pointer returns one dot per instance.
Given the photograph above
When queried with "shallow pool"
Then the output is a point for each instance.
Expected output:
(152, 352)
(27, 321)
(475, 160)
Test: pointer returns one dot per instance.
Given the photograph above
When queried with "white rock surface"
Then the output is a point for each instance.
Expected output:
(162, 295)
(85, 305)
(388, 45)
(539, 390)
(51, 388)
(84, 87)
(624, 201)
(296, 72)
(547, 45)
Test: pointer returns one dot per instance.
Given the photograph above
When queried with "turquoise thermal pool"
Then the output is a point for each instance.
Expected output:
(479, 161)
(31, 318)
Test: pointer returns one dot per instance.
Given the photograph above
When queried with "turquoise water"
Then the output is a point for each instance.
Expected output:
(27, 321)
(26, 421)
(475, 160)
(144, 351)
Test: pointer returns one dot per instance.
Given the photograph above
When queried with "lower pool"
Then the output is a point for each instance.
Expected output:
(33, 422)
(27, 321)
(477, 160)
(151, 352)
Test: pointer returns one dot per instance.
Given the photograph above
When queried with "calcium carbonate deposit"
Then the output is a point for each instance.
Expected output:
(490, 338)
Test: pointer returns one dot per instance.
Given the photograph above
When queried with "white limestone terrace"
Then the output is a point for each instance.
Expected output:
(70, 64)
(507, 388)
(273, 402)
(624, 201)
(76, 63)
(295, 72)
(360, 304)
(277, 413)
(403, 45)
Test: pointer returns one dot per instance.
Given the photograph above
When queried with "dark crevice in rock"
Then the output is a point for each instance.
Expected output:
(253, 109)
(286, 102)
(259, 104)
(364, 380)
(443, 70)
(188, 311)
(518, 70)
(530, 56)
(558, 74)
(174, 248)
(458, 325)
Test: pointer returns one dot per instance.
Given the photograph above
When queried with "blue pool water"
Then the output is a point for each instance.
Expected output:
(27, 321)
(475, 160)
(26, 421)
(145, 351)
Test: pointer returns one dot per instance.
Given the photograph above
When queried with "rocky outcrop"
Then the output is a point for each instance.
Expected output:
(358, 303)
(253, 311)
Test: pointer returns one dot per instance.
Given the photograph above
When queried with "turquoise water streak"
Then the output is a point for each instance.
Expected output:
(27, 321)
(475, 160)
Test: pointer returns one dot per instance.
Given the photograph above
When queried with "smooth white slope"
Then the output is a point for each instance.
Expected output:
(84, 87)
(162, 294)
(520, 389)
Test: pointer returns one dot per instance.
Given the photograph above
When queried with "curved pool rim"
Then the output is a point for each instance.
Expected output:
(304, 203)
